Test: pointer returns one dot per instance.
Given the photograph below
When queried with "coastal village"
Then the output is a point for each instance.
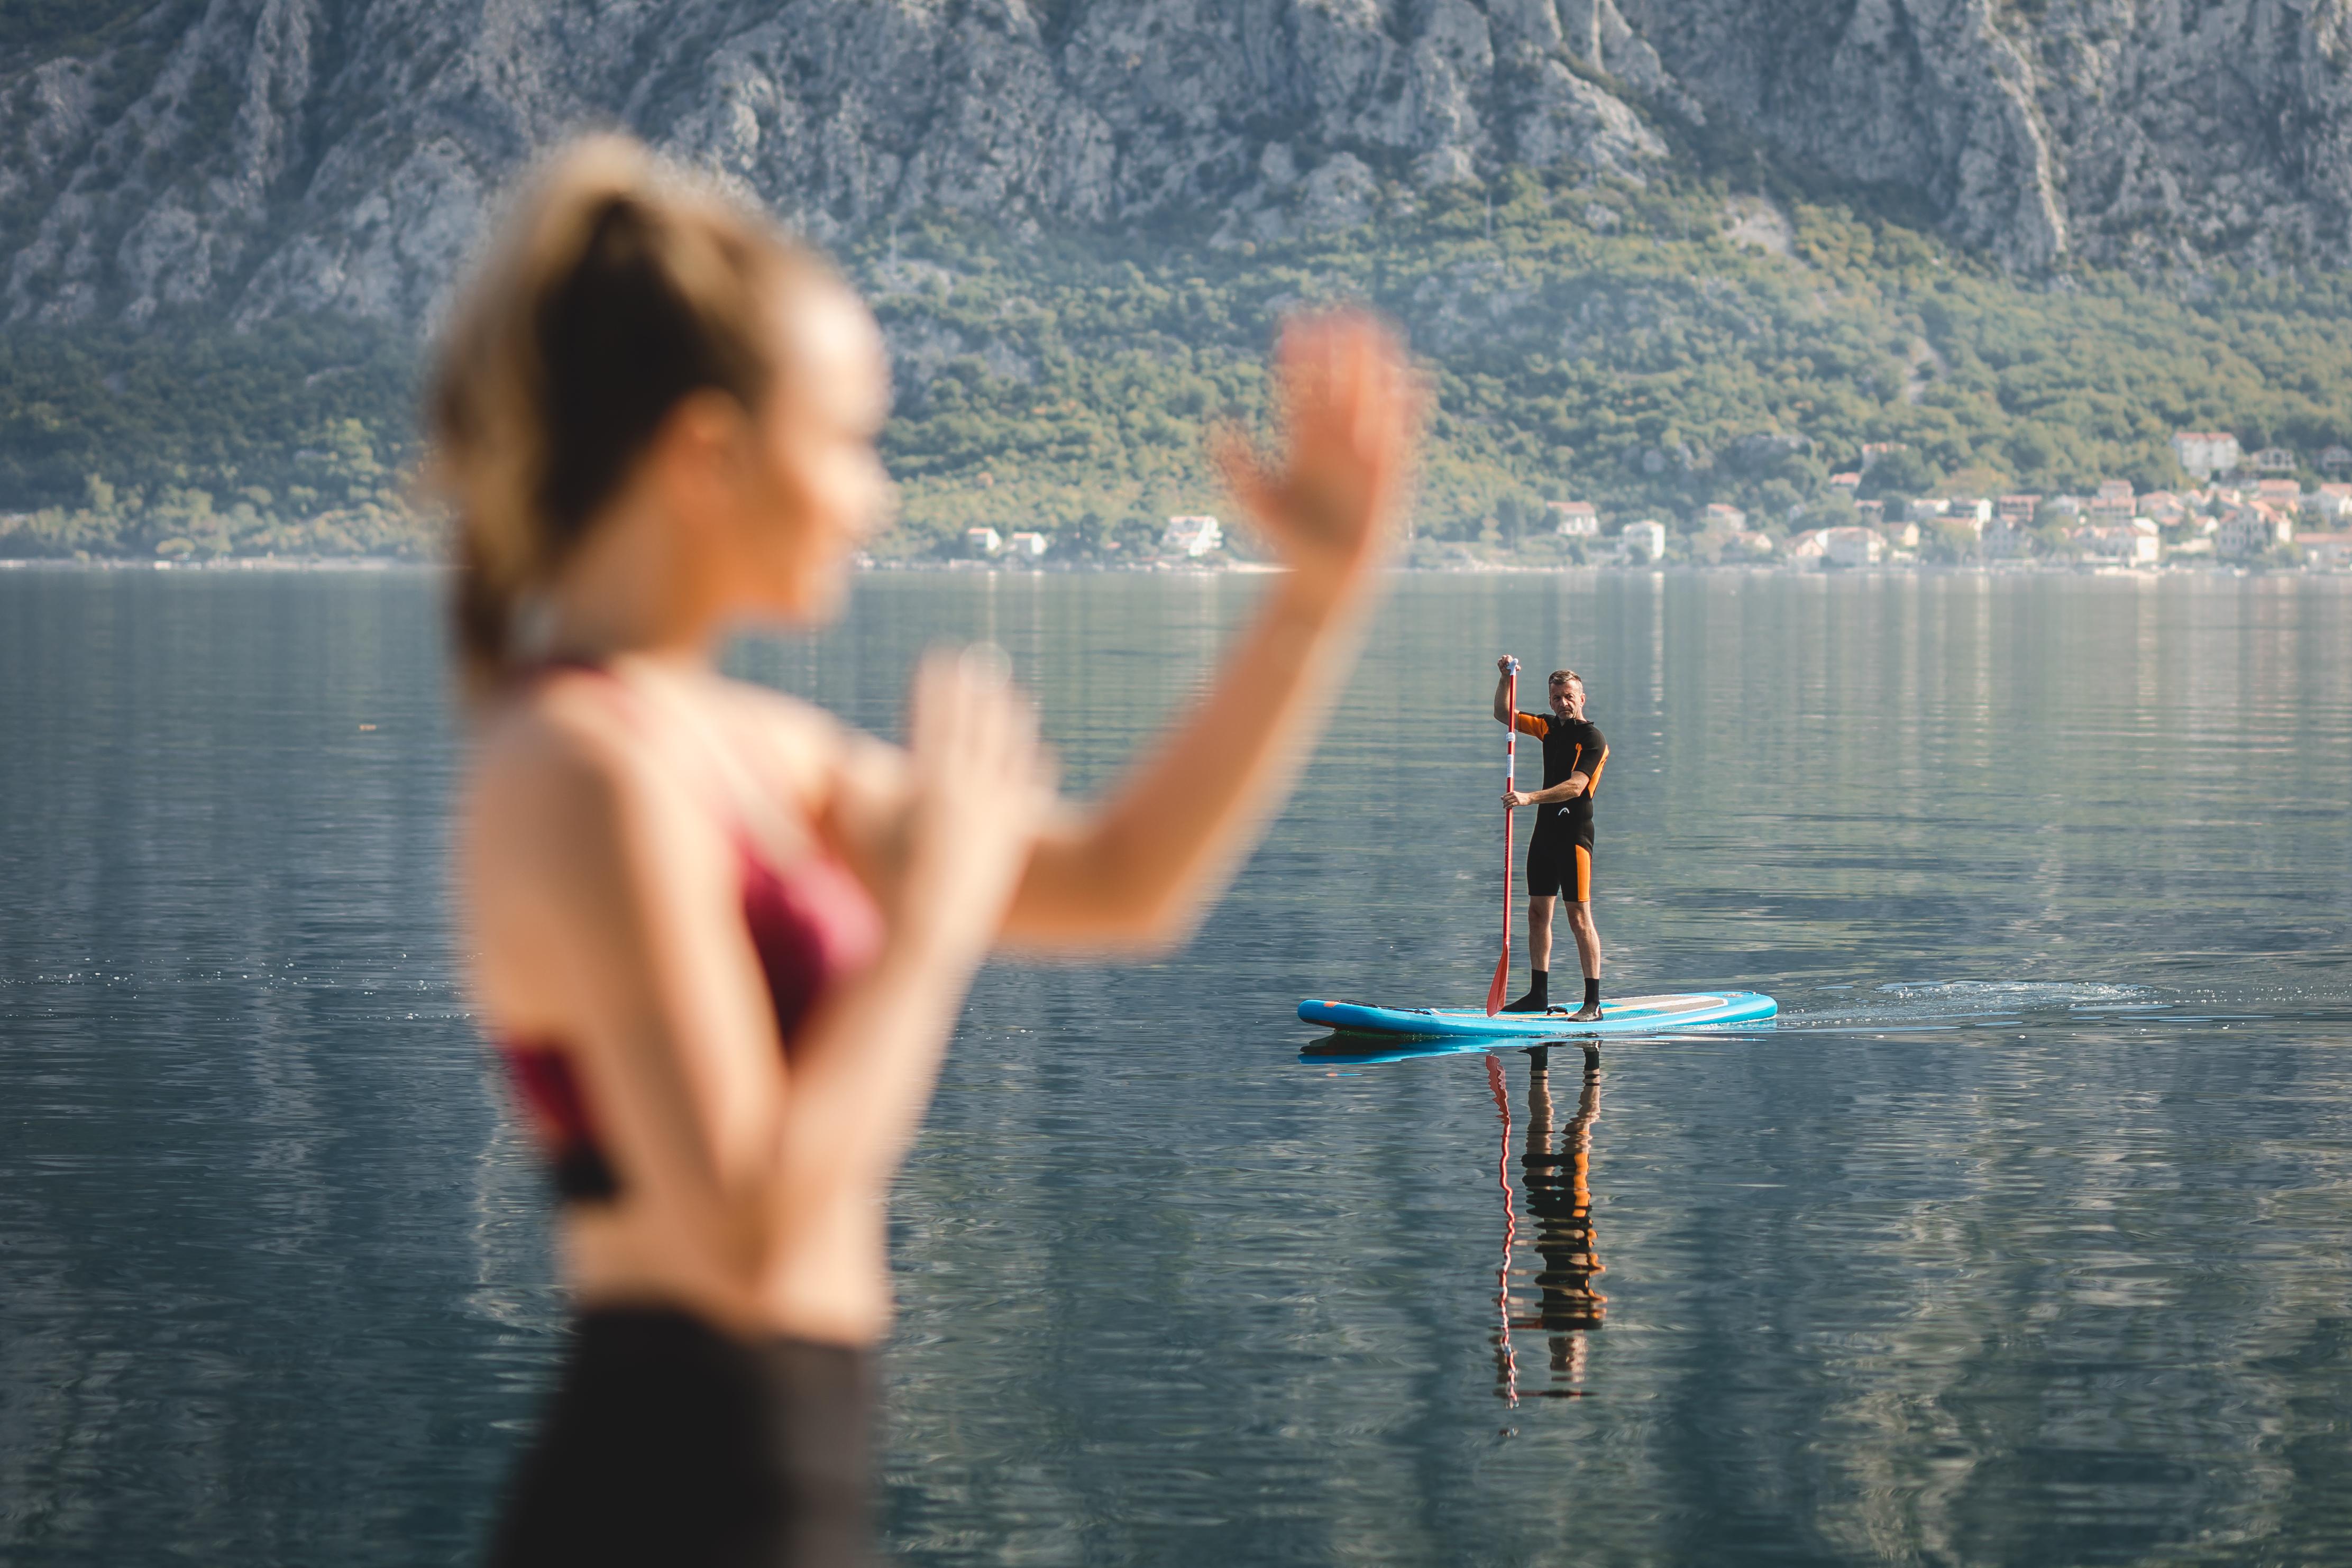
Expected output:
(2271, 508)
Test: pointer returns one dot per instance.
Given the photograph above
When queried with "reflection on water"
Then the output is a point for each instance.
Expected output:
(1557, 1165)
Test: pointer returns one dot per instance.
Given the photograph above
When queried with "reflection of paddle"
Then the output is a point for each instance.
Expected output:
(1502, 981)
(1506, 1361)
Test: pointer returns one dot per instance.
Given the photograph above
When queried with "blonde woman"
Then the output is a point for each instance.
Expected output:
(720, 940)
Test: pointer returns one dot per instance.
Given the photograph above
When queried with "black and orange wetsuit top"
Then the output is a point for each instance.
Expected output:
(1569, 746)
(810, 924)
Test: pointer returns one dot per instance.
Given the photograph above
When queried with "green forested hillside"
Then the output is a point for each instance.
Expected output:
(1595, 342)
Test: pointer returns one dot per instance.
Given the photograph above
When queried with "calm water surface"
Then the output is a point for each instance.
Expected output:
(2021, 1240)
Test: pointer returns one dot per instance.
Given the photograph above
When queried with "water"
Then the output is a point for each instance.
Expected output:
(2021, 1240)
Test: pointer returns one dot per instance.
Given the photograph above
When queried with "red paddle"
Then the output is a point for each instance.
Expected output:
(1501, 983)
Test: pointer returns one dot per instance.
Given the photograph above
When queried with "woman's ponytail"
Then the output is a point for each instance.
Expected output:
(615, 289)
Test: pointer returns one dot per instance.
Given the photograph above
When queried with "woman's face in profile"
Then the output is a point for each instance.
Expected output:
(818, 433)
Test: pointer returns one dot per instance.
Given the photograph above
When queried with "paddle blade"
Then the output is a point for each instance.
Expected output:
(1500, 984)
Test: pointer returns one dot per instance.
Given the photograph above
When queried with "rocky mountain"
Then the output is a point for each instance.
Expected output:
(259, 158)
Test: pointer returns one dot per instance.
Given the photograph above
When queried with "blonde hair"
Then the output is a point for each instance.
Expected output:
(616, 288)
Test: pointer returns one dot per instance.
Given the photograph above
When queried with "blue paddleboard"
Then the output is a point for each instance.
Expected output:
(1630, 1015)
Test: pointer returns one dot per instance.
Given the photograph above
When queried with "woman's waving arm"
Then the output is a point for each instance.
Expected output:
(1135, 872)
(1132, 873)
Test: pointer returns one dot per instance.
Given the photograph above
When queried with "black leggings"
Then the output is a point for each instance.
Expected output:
(672, 1443)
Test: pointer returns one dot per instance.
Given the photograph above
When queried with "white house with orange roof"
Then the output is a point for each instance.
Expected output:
(1852, 547)
(2113, 506)
(2327, 552)
(2135, 543)
(1574, 519)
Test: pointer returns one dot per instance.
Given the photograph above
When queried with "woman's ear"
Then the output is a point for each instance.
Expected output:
(701, 458)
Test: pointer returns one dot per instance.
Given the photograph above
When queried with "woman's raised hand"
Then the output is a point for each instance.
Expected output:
(1350, 409)
(983, 784)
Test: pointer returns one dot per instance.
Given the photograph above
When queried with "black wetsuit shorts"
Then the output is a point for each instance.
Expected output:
(1559, 857)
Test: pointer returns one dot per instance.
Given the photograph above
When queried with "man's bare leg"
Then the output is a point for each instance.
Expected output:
(1539, 956)
(1588, 947)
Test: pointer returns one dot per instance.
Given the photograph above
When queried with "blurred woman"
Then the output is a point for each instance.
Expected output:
(720, 940)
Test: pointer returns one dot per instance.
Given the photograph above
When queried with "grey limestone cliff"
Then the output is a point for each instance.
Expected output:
(2143, 131)
(259, 157)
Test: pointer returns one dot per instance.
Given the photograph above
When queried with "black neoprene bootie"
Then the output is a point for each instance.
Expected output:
(1590, 1012)
(1537, 998)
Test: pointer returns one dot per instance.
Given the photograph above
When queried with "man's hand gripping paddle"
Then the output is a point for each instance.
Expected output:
(1500, 985)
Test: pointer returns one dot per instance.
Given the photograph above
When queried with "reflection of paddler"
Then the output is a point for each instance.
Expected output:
(1559, 1195)
(1556, 1170)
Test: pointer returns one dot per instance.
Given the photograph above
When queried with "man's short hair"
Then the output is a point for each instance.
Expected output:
(1566, 675)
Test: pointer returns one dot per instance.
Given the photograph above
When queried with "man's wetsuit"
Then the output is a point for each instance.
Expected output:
(1560, 855)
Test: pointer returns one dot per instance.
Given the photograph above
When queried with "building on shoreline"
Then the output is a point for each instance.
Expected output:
(2285, 494)
(2327, 552)
(1574, 519)
(1852, 547)
(1191, 536)
(2253, 528)
(2134, 543)
(2205, 453)
(2113, 506)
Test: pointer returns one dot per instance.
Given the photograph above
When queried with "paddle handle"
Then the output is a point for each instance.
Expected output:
(1510, 782)
(1499, 987)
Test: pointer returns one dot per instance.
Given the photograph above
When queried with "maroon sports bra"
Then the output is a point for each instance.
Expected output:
(810, 924)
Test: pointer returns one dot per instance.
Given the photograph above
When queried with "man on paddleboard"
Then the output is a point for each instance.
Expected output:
(1560, 855)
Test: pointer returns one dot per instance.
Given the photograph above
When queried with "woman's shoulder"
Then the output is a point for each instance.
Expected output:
(827, 764)
(779, 715)
(564, 724)
(558, 758)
